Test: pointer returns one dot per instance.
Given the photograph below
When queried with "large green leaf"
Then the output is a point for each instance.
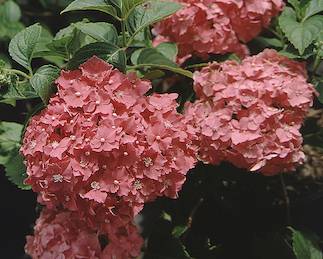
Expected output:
(149, 13)
(300, 34)
(96, 5)
(312, 8)
(305, 246)
(22, 46)
(101, 31)
(42, 81)
(10, 135)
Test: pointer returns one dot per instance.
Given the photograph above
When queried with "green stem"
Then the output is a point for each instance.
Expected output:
(183, 72)
(18, 72)
(197, 65)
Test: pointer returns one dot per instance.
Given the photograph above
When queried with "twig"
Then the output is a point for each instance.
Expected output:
(191, 217)
(193, 212)
(286, 199)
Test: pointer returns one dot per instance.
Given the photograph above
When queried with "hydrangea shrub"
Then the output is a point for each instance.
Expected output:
(121, 111)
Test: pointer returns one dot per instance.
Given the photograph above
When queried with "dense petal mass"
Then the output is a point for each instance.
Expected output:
(250, 114)
(204, 27)
(102, 148)
(63, 234)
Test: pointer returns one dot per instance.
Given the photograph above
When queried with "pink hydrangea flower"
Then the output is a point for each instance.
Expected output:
(102, 147)
(62, 234)
(204, 27)
(250, 114)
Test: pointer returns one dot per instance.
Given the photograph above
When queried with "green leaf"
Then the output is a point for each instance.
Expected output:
(10, 135)
(12, 12)
(151, 58)
(300, 34)
(95, 5)
(16, 170)
(305, 246)
(169, 50)
(104, 50)
(101, 31)
(313, 7)
(42, 81)
(149, 13)
(178, 231)
(22, 46)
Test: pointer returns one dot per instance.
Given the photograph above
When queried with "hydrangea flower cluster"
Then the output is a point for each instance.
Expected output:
(250, 113)
(64, 235)
(102, 148)
(205, 27)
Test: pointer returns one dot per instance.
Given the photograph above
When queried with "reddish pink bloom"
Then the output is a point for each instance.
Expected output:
(102, 147)
(204, 27)
(250, 113)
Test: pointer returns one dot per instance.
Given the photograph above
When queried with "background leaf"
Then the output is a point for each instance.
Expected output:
(12, 12)
(300, 34)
